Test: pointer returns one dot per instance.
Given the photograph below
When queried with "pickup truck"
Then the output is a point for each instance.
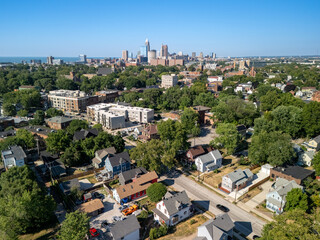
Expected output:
(129, 210)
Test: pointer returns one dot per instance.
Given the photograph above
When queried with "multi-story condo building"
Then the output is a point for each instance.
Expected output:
(71, 101)
(168, 81)
(114, 115)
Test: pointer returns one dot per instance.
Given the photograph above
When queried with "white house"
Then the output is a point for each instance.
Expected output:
(209, 162)
(305, 158)
(173, 208)
(14, 156)
(276, 198)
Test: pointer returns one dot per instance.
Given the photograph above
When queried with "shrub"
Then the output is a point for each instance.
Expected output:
(158, 232)
(156, 191)
(194, 167)
(216, 171)
(192, 221)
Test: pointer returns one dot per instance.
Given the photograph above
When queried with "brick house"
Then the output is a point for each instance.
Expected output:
(58, 122)
(296, 173)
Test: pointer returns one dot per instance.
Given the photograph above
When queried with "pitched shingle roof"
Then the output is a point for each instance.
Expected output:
(82, 134)
(128, 175)
(125, 227)
(115, 159)
(197, 151)
(211, 156)
(177, 200)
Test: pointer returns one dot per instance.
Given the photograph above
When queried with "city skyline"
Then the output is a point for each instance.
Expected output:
(271, 28)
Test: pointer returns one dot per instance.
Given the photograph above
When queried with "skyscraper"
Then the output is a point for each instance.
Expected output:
(83, 58)
(50, 60)
(164, 51)
(125, 55)
(193, 54)
(147, 45)
(201, 55)
(143, 51)
(151, 55)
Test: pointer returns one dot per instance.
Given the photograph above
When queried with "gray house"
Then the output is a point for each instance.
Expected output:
(276, 198)
(14, 156)
(220, 228)
(209, 162)
(127, 176)
(128, 229)
(237, 179)
(101, 155)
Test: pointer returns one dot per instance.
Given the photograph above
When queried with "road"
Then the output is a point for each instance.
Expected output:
(244, 221)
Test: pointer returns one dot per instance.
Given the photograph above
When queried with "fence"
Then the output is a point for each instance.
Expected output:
(258, 183)
(78, 175)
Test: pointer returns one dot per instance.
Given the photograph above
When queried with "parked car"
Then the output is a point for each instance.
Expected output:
(129, 210)
(97, 195)
(104, 224)
(78, 202)
(123, 207)
(116, 218)
(222, 208)
(94, 232)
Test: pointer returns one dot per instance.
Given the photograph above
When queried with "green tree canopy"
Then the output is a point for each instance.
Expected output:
(77, 125)
(53, 112)
(26, 137)
(296, 199)
(274, 148)
(311, 118)
(156, 191)
(75, 226)
(58, 141)
(229, 137)
(38, 118)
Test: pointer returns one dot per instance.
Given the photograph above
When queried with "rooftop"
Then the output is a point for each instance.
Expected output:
(123, 228)
(91, 206)
(294, 171)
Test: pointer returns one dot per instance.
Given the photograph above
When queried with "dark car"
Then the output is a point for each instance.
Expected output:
(222, 208)
(97, 195)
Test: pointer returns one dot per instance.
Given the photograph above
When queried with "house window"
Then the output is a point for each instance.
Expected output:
(185, 212)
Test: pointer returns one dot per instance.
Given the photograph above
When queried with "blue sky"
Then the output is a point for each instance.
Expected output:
(104, 28)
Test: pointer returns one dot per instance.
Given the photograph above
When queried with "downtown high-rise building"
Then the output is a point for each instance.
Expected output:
(125, 55)
(193, 55)
(50, 60)
(147, 44)
(143, 51)
(83, 58)
(164, 51)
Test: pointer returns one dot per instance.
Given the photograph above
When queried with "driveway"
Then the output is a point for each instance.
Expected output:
(244, 221)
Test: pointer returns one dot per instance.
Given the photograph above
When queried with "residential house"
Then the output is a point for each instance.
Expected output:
(195, 152)
(7, 133)
(295, 173)
(127, 229)
(105, 71)
(135, 189)
(117, 163)
(314, 144)
(305, 158)
(92, 208)
(67, 186)
(276, 197)
(209, 162)
(220, 228)
(56, 169)
(149, 132)
(83, 134)
(131, 175)
(6, 122)
(58, 122)
(14, 156)
(173, 209)
(100, 156)
(236, 180)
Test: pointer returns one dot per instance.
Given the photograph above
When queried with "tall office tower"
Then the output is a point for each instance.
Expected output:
(147, 45)
(214, 56)
(50, 60)
(83, 58)
(143, 51)
(164, 51)
(151, 55)
(125, 55)
(193, 54)
(201, 55)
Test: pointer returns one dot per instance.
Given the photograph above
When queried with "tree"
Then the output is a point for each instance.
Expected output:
(58, 141)
(189, 120)
(296, 199)
(274, 148)
(229, 137)
(288, 119)
(75, 226)
(38, 118)
(98, 126)
(24, 207)
(74, 155)
(295, 224)
(205, 99)
(316, 163)
(77, 125)
(26, 137)
(311, 118)
(153, 155)
(22, 113)
(156, 191)
(53, 112)
(9, 109)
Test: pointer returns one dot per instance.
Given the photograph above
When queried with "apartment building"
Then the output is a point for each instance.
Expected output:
(71, 100)
(114, 115)
(168, 81)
